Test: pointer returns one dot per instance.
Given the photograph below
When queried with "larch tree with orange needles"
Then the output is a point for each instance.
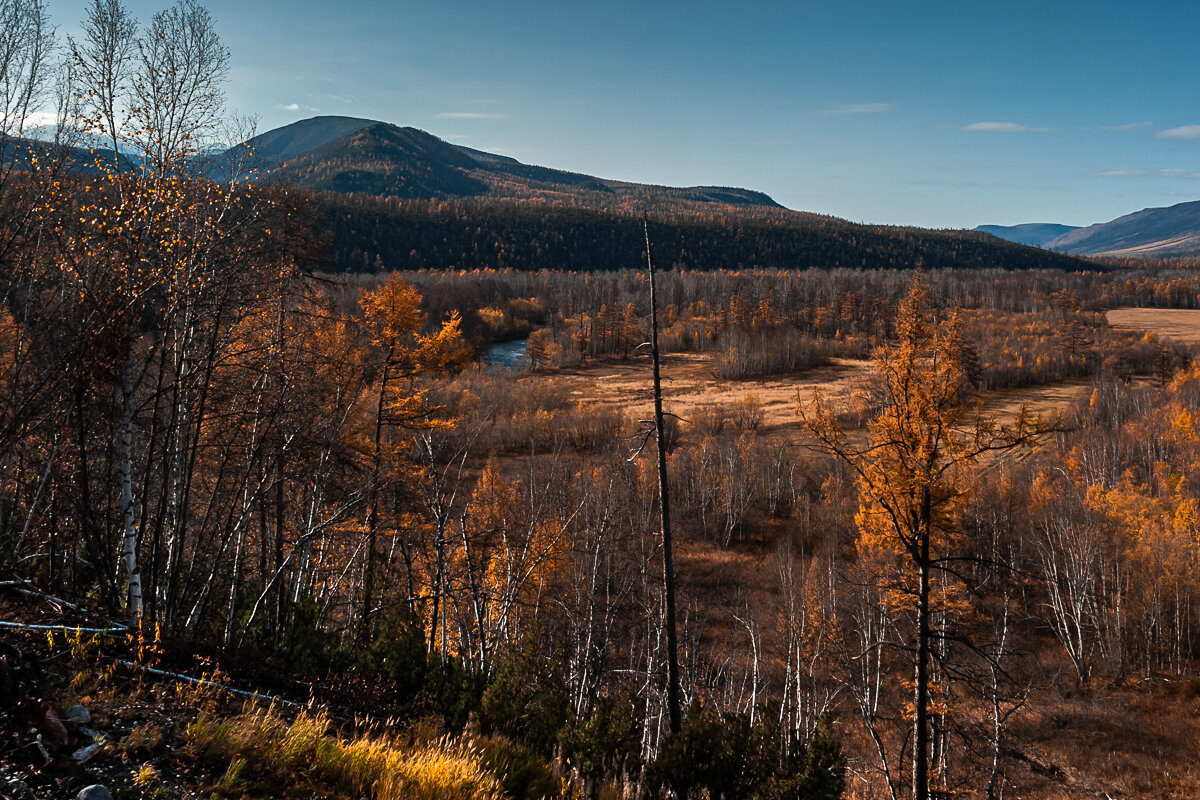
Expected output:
(396, 323)
(912, 475)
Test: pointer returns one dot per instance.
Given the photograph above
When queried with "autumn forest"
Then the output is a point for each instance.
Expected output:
(935, 520)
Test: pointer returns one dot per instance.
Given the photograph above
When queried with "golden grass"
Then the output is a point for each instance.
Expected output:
(145, 775)
(769, 405)
(306, 749)
(1180, 324)
(145, 738)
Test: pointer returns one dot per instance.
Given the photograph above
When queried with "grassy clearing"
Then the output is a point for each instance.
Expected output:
(260, 741)
(1180, 324)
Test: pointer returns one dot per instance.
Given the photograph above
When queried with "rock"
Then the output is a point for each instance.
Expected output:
(13, 787)
(85, 754)
(54, 733)
(94, 792)
(79, 714)
(17, 790)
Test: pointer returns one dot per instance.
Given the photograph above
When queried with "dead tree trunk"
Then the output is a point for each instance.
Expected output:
(664, 506)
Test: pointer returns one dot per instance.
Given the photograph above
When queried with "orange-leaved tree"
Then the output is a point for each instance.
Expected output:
(912, 475)
(393, 316)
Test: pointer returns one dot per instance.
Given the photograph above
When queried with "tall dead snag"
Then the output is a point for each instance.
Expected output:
(663, 504)
(912, 477)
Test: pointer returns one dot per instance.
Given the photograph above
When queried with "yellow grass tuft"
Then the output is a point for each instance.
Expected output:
(382, 767)
(145, 775)
(144, 738)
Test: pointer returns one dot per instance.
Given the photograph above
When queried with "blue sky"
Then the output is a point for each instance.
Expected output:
(929, 113)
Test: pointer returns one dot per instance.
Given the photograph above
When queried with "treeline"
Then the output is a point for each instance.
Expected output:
(1021, 328)
(367, 234)
(827, 299)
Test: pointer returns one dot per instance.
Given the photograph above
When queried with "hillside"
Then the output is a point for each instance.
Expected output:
(376, 158)
(368, 233)
(393, 197)
(1171, 232)
(302, 137)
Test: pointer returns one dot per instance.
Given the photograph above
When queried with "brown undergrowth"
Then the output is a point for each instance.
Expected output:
(158, 738)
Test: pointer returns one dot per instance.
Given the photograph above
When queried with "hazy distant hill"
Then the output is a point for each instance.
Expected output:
(1036, 234)
(1171, 232)
(358, 156)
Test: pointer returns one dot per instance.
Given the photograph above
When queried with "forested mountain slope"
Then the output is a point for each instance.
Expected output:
(368, 233)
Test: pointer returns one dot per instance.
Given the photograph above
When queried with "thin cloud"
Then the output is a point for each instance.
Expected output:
(1182, 132)
(467, 115)
(859, 108)
(40, 119)
(297, 107)
(1148, 173)
(1129, 126)
(1002, 127)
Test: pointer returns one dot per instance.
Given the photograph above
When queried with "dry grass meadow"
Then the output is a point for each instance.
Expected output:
(1179, 324)
(690, 386)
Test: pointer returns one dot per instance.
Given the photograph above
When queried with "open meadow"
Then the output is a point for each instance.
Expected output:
(1178, 324)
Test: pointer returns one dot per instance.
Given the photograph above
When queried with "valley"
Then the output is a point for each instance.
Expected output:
(921, 520)
(691, 390)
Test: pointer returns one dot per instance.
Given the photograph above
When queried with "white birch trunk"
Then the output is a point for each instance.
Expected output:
(129, 539)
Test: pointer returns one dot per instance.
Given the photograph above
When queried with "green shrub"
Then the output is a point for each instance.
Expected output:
(724, 756)
(418, 682)
(527, 697)
(524, 773)
(605, 743)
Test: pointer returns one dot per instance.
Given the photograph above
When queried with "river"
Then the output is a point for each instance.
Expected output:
(505, 354)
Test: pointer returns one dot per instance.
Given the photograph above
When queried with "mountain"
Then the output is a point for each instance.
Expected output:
(1035, 234)
(392, 197)
(356, 156)
(381, 196)
(302, 137)
(1171, 232)
(74, 158)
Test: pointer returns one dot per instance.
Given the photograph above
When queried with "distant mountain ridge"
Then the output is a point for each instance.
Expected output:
(393, 197)
(1168, 232)
(385, 197)
(358, 156)
(1035, 234)
(290, 141)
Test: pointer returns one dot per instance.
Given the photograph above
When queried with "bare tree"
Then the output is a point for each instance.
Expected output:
(178, 91)
(104, 61)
